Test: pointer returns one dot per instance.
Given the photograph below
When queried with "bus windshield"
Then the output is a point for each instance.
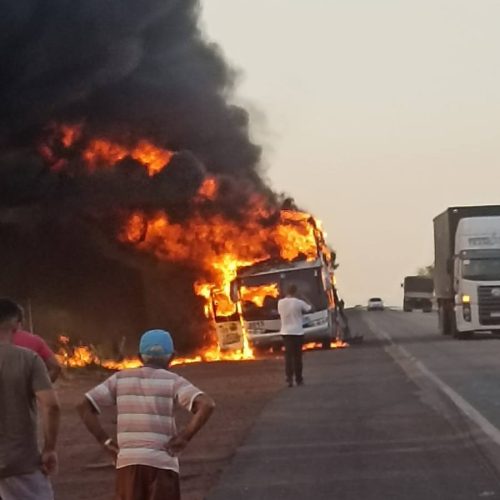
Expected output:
(259, 297)
(260, 294)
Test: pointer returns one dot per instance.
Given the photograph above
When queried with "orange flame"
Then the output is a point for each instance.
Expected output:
(258, 294)
(208, 189)
(104, 152)
(100, 152)
(222, 246)
(84, 356)
(70, 134)
(336, 344)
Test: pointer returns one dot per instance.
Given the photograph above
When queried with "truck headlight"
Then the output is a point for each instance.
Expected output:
(467, 312)
(465, 299)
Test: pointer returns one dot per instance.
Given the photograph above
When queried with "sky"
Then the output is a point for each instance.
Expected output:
(374, 115)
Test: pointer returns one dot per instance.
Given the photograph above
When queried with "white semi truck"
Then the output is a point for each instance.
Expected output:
(467, 270)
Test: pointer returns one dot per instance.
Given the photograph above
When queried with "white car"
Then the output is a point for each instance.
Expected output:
(375, 304)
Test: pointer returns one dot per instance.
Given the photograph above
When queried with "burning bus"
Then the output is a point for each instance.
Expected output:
(250, 311)
(128, 199)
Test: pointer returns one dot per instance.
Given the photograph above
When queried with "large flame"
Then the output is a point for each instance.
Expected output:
(220, 246)
(258, 294)
(103, 152)
(99, 152)
(215, 244)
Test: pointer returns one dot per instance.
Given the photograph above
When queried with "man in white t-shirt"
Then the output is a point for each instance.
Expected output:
(291, 310)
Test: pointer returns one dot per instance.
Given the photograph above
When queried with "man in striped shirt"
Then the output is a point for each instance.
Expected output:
(148, 441)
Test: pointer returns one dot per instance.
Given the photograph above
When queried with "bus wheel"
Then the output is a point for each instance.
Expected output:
(464, 335)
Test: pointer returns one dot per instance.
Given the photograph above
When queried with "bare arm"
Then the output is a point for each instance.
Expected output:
(51, 413)
(90, 418)
(53, 367)
(203, 407)
(307, 306)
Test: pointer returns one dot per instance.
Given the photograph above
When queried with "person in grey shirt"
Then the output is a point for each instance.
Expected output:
(24, 385)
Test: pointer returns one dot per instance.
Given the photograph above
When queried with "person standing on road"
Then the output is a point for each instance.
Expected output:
(24, 382)
(36, 344)
(291, 310)
(342, 322)
(148, 442)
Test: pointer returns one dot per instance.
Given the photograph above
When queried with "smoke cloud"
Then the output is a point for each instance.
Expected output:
(124, 70)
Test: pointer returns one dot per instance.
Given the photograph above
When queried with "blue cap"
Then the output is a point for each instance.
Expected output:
(156, 343)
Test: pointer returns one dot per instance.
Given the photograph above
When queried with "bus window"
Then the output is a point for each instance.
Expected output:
(259, 297)
(309, 283)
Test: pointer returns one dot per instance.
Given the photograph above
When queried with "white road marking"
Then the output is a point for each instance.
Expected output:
(465, 407)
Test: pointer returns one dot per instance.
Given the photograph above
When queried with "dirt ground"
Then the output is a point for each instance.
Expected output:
(240, 390)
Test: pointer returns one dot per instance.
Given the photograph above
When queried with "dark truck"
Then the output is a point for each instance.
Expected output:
(467, 269)
(418, 293)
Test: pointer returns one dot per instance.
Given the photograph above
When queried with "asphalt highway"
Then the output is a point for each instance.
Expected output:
(407, 415)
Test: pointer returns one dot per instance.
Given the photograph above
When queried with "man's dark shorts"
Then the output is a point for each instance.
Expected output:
(141, 482)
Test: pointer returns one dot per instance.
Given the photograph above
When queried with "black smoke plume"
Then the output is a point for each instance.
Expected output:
(126, 70)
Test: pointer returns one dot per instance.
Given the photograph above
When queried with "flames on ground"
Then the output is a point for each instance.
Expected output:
(85, 355)
(81, 356)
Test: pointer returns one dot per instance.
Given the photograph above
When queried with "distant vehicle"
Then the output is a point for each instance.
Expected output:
(418, 293)
(467, 270)
(375, 304)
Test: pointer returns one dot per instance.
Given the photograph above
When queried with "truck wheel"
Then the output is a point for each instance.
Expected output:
(427, 310)
(407, 309)
(453, 325)
(444, 321)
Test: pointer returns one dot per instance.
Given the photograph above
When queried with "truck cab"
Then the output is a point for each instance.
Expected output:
(418, 293)
(467, 270)
(477, 274)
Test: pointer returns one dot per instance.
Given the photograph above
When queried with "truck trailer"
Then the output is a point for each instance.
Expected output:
(418, 293)
(467, 270)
